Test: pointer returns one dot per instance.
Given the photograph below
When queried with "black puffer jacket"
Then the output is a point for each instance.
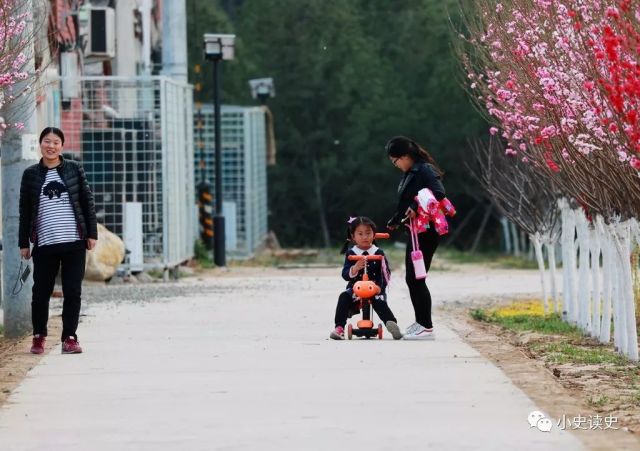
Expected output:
(421, 175)
(73, 176)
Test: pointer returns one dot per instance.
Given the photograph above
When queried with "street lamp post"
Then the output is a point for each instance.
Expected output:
(262, 89)
(218, 48)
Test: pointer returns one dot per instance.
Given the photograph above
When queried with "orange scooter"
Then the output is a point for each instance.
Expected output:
(364, 291)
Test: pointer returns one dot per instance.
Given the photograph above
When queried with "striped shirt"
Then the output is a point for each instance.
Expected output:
(56, 220)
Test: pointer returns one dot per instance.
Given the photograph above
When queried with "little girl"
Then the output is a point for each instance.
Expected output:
(362, 231)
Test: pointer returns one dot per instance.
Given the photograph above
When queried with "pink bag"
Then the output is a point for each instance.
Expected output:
(416, 255)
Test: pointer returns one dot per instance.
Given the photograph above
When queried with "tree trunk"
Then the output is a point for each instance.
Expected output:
(537, 245)
(516, 240)
(551, 253)
(19, 151)
(507, 236)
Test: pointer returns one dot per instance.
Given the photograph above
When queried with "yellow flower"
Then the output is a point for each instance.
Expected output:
(531, 307)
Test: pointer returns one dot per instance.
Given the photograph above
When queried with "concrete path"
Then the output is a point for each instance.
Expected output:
(249, 367)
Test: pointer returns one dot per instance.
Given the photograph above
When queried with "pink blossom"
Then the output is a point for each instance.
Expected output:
(548, 132)
(613, 12)
(493, 130)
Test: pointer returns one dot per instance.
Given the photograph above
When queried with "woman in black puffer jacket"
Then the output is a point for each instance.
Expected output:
(419, 171)
(58, 216)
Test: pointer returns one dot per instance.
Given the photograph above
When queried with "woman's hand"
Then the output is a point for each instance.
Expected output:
(25, 253)
(91, 243)
(410, 213)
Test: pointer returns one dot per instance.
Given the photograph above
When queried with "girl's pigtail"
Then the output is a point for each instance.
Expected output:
(345, 247)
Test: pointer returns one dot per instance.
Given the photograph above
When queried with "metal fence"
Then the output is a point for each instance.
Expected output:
(244, 174)
(135, 139)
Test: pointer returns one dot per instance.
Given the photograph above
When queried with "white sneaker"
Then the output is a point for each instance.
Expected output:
(421, 334)
(412, 328)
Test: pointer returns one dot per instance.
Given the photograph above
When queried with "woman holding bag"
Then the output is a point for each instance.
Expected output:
(420, 171)
(57, 215)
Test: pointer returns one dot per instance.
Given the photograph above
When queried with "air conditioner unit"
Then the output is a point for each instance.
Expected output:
(101, 33)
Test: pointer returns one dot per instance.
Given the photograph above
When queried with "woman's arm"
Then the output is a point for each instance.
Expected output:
(88, 205)
(426, 178)
(25, 214)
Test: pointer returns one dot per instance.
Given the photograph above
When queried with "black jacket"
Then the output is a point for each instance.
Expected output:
(374, 271)
(421, 175)
(80, 195)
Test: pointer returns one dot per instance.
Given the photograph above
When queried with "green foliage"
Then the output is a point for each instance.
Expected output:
(598, 401)
(569, 353)
(550, 324)
(480, 315)
(202, 255)
(349, 75)
(200, 251)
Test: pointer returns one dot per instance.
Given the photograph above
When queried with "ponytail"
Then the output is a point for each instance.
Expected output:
(425, 156)
(401, 146)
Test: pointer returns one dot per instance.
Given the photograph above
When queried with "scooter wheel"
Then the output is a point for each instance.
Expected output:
(379, 331)
(349, 331)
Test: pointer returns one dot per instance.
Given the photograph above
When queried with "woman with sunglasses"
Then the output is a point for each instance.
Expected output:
(419, 171)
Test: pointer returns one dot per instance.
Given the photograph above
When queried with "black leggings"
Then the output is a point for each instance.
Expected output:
(420, 296)
(346, 307)
(47, 260)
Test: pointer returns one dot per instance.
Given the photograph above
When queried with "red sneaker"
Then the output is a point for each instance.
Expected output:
(37, 346)
(337, 333)
(71, 346)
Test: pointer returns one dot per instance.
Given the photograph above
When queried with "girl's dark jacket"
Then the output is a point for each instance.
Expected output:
(80, 195)
(374, 270)
(421, 175)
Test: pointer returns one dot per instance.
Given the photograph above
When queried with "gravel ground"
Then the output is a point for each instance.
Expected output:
(144, 292)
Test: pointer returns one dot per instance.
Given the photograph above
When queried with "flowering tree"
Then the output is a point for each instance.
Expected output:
(560, 82)
(20, 21)
(561, 87)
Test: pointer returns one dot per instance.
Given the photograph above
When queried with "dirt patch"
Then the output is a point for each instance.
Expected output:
(16, 360)
(561, 390)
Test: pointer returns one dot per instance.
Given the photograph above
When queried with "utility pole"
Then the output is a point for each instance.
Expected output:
(174, 39)
(19, 150)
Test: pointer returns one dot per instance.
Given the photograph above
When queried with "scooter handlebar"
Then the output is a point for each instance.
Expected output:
(354, 258)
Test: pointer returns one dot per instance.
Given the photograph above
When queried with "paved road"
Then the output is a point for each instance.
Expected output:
(248, 366)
